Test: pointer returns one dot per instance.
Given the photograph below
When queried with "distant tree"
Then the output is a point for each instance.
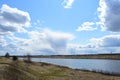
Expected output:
(14, 58)
(7, 55)
(28, 58)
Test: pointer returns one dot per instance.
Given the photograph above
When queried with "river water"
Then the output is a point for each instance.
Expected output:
(99, 65)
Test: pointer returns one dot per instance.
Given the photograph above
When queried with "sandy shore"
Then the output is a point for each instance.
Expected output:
(21, 70)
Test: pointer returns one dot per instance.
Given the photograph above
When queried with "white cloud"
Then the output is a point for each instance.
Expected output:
(2, 42)
(67, 3)
(109, 15)
(13, 20)
(105, 44)
(53, 42)
(82, 49)
(43, 42)
(86, 26)
(107, 41)
(58, 40)
(96, 46)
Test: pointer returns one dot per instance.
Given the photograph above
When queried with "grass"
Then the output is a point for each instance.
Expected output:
(20, 70)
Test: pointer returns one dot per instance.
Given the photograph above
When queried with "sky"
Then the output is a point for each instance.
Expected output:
(59, 27)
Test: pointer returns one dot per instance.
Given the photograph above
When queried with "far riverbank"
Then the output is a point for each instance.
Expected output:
(88, 56)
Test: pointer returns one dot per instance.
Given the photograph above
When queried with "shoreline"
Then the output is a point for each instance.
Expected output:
(94, 71)
(23, 70)
(86, 56)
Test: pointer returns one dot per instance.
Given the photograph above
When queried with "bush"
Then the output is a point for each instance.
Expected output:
(14, 58)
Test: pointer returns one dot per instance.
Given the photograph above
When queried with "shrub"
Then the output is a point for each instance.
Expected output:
(14, 58)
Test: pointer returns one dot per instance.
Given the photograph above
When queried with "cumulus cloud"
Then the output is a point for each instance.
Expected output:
(58, 40)
(93, 48)
(107, 41)
(105, 44)
(109, 15)
(82, 49)
(86, 26)
(67, 3)
(13, 19)
(2, 41)
(7, 45)
(43, 42)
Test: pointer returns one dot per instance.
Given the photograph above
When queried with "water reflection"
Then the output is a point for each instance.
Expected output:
(111, 66)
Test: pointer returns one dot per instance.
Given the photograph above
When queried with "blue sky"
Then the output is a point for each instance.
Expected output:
(59, 26)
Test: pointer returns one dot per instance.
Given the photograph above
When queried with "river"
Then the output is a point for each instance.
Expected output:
(99, 65)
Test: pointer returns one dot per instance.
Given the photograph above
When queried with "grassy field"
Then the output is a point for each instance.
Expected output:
(21, 70)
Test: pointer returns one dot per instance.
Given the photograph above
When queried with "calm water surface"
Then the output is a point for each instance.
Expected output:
(111, 66)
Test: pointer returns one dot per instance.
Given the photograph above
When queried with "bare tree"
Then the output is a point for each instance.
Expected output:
(28, 58)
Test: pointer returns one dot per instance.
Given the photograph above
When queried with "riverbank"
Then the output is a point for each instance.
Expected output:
(89, 56)
(113, 56)
(22, 70)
